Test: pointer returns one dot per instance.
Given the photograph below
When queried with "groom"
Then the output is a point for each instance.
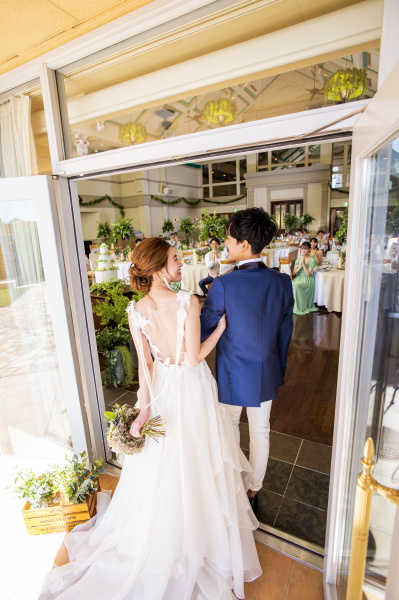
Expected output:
(252, 353)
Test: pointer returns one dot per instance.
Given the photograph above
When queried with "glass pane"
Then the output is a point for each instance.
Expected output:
(34, 422)
(378, 376)
(224, 190)
(205, 174)
(262, 160)
(102, 115)
(288, 158)
(224, 172)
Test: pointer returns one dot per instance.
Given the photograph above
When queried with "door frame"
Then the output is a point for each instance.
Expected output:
(374, 128)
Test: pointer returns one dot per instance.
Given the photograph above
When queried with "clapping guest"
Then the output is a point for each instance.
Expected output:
(212, 263)
(314, 251)
(303, 285)
(174, 241)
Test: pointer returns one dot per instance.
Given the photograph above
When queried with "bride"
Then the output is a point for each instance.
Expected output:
(179, 526)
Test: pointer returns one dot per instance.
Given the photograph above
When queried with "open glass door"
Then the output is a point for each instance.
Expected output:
(369, 374)
(41, 414)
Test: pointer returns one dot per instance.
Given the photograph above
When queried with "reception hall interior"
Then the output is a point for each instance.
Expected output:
(305, 188)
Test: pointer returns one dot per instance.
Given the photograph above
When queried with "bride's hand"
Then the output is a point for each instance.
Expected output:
(139, 422)
(221, 326)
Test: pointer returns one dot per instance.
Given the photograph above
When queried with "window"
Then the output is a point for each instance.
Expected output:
(224, 178)
(279, 209)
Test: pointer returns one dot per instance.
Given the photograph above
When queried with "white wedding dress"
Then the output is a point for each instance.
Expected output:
(179, 526)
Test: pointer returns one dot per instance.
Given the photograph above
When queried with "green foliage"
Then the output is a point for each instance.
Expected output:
(105, 198)
(392, 226)
(38, 490)
(290, 221)
(201, 253)
(110, 338)
(110, 368)
(187, 227)
(167, 227)
(193, 203)
(122, 229)
(113, 308)
(108, 287)
(72, 479)
(343, 255)
(212, 226)
(75, 480)
(104, 230)
(306, 220)
(127, 366)
(341, 235)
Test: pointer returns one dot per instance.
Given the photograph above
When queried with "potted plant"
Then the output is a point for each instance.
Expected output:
(212, 226)
(59, 498)
(187, 227)
(167, 228)
(113, 340)
(104, 230)
(306, 220)
(342, 232)
(290, 221)
(122, 229)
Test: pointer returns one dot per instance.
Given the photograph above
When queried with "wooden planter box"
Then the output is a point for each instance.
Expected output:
(62, 517)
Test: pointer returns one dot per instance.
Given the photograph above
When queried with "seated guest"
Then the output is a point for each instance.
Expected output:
(174, 241)
(318, 254)
(212, 263)
(303, 285)
(322, 241)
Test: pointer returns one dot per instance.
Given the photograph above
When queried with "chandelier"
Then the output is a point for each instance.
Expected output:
(133, 133)
(221, 111)
(345, 85)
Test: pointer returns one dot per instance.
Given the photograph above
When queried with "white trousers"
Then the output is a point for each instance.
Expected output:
(259, 433)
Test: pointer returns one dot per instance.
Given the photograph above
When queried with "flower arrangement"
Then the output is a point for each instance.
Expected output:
(168, 227)
(212, 226)
(72, 479)
(187, 227)
(120, 421)
(104, 230)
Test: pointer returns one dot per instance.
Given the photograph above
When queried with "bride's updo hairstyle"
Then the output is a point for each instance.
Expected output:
(149, 257)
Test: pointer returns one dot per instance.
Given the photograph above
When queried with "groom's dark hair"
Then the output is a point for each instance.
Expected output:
(253, 225)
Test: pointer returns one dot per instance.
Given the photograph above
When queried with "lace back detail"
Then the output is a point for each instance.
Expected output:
(141, 321)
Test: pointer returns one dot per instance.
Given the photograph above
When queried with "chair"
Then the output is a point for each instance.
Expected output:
(92, 247)
(227, 262)
(285, 266)
(187, 253)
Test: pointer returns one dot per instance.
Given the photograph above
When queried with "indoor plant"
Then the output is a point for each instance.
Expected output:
(290, 221)
(212, 226)
(59, 498)
(187, 227)
(342, 232)
(167, 227)
(306, 220)
(104, 230)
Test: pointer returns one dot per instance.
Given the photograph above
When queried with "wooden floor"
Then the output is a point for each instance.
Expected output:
(305, 405)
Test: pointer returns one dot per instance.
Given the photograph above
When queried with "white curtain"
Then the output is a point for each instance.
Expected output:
(18, 154)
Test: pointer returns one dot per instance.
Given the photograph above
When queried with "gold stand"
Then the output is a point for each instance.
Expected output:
(366, 485)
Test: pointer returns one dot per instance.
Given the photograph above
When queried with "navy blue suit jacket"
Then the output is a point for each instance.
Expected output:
(251, 354)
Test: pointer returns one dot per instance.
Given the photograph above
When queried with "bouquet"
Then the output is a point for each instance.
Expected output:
(120, 421)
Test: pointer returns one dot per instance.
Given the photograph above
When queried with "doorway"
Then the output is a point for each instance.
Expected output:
(303, 414)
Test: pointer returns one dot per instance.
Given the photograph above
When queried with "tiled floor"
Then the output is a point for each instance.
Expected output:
(294, 495)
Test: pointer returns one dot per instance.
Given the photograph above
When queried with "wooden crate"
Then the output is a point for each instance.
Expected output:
(61, 517)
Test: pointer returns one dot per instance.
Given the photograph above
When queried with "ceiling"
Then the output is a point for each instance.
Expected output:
(29, 29)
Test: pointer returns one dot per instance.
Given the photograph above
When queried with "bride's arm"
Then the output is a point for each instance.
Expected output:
(145, 398)
(196, 351)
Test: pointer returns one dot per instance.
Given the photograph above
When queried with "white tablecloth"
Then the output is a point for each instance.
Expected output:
(123, 269)
(329, 289)
(192, 275)
(332, 256)
(272, 260)
(93, 258)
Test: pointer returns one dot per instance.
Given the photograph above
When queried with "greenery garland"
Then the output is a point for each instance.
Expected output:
(193, 203)
(102, 199)
(338, 190)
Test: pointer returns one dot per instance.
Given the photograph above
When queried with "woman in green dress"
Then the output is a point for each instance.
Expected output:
(303, 284)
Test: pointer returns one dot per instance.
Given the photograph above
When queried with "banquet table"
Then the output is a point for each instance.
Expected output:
(329, 289)
(272, 260)
(192, 275)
